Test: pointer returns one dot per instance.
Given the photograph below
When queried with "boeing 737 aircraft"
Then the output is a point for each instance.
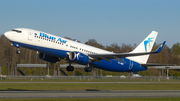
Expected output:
(52, 48)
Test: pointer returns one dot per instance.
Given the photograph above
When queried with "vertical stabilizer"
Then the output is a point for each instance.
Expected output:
(145, 46)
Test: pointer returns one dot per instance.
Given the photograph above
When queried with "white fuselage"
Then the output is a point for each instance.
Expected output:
(42, 39)
(58, 47)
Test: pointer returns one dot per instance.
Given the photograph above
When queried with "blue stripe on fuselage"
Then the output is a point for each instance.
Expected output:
(119, 66)
(50, 51)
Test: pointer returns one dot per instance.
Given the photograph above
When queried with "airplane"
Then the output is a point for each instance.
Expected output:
(53, 48)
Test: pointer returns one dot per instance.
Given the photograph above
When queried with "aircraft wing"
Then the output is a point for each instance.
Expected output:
(107, 57)
(163, 67)
(151, 65)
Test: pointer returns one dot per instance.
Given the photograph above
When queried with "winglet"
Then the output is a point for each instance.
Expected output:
(160, 48)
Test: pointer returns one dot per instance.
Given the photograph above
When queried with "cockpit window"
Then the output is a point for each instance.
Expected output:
(18, 31)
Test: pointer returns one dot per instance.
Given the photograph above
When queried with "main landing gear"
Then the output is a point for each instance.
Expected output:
(88, 69)
(70, 68)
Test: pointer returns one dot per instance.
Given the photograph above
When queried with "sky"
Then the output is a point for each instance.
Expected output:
(106, 21)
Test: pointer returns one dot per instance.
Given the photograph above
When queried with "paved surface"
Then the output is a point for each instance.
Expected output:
(87, 94)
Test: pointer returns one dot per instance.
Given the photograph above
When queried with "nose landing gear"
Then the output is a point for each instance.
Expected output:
(18, 46)
(18, 51)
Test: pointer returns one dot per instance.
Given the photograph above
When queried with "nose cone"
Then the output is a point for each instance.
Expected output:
(7, 34)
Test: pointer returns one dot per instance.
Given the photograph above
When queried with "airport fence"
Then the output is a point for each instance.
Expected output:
(90, 78)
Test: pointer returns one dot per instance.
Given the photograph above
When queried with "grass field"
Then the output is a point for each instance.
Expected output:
(86, 86)
(87, 79)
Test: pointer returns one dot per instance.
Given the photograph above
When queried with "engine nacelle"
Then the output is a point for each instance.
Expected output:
(48, 58)
(79, 57)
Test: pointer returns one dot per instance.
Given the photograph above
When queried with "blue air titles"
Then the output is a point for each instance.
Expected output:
(51, 37)
(47, 36)
(64, 41)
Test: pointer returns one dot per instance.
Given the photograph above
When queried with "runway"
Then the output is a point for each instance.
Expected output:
(101, 82)
(88, 94)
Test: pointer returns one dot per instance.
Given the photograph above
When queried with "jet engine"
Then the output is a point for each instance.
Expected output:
(79, 57)
(48, 58)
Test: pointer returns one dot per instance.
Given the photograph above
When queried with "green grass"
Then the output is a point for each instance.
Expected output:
(85, 86)
(99, 99)
(86, 79)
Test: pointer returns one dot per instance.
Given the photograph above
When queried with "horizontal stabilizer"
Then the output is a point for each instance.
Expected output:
(164, 67)
(154, 64)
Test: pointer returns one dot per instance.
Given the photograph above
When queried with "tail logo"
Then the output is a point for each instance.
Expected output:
(146, 42)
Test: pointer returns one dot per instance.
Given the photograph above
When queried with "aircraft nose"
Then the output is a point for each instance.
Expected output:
(7, 34)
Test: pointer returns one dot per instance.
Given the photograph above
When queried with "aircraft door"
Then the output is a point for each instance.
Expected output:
(30, 35)
(131, 65)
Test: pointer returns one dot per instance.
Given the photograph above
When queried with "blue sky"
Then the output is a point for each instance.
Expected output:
(107, 21)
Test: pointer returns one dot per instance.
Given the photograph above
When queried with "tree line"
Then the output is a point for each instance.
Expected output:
(9, 58)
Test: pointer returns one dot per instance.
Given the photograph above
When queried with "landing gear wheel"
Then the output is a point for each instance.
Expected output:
(70, 68)
(85, 69)
(88, 69)
(18, 51)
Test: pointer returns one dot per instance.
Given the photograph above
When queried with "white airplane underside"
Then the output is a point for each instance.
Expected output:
(52, 48)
